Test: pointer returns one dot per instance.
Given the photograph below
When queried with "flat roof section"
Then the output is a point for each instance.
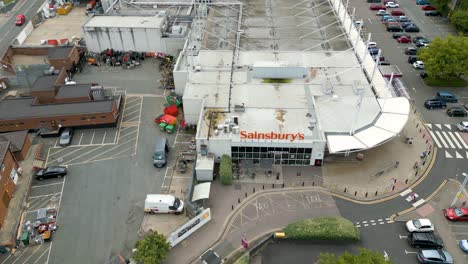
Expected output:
(73, 91)
(125, 22)
(22, 108)
(59, 52)
(3, 149)
(45, 83)
(16, 139)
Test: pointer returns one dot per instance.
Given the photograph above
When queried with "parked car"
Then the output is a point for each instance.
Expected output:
(425, 240)
(374, 1)
(433, 13)
(422, 2)
(385, 17)
(386, 1)
(411, 51)
(428, 7)
(51, 172)
(412, 59)
(381, 58)
(66, 137)
(421, 39)
(434, 256)
(400, 34)
(463, 127)
(372, 44)
(420, 44)
(403, 39)
(403, 19)
(20, 19)
(423, 74)
(463, 244)
(447, 97)
(419, 225)
(457, 112)
(377, 7)
(412, 28)
(406, 24)
(390, 20)
(397, 13)
(384, 62)
(373, 51)
(394, 28)
(419, 65)
(382, 13)
(457, 214)
(392, 5)
(435, 103)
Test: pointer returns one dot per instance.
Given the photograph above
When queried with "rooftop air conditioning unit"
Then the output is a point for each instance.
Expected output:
(197, 68)
(227, 129)
(235, 129)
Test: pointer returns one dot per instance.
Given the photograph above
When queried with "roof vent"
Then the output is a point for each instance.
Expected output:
(239, 108)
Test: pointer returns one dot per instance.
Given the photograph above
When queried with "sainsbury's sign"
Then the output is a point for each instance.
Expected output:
(271, 135)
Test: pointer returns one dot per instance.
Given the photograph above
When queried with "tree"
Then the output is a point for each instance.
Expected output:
(364, 257)
(225, 170)
(459, 19)
(441, 5)
(152, 249)
(445, 58)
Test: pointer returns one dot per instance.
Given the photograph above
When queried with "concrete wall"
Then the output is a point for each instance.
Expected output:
(67, 62)
(192, 110)
(7, 187)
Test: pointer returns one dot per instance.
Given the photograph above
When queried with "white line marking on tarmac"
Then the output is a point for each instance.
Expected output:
(81, 137)
(429, 126)
(372, 221)
(26, 260)
(104, 138)
(448, 139)
(37, 196)
(404, 193)
(447, 155)
(438, 126)
(418, 203)
(402, 237)
(410, 252)
(381, 223)
(373, 224)
(461, 140)
(366, 225)
(86, 153)
(451, 134)
(92, 138)
(43, 255)
(448, 126)
(435, 139)
(44, 185)
(458, 155)
(441, 139)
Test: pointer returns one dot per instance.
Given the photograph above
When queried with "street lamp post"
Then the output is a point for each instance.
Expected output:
(460, 190)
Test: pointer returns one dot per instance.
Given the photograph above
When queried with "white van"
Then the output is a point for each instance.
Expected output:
(163, 203)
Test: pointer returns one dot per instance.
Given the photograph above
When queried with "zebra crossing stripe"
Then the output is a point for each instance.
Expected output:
(448, 126)
(429, 126)
(441, 139)
(438, 126)
(447, 155)
(461, 140)
(448, 139)
(458, 155)
(435, 139)
(451, 134)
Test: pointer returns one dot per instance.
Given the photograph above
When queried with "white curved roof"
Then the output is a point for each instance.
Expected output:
(394, 115)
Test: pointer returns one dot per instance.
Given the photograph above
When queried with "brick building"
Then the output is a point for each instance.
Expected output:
(8, 177)
(20, 143)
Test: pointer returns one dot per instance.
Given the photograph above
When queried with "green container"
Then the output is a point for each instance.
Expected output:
(25, 238)
(170, 129)
(162, 126)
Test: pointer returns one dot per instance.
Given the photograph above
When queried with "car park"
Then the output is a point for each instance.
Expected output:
(412, 59)
(419, 225)
(423, 74)
(411, 51)
(457, 112)
(422, 2)
(458, 214)
(377, 7)
(425, 240)
(434, 256)
(397, 13)
(404, 39)
(428, 7)
(463, 244)
(435, 103)
(463, 126)
(394, 28)
(418, 65)
(447, 97)
(66, 137)
(392, 5)
(433, 13)
(382, 13)
(51, 172)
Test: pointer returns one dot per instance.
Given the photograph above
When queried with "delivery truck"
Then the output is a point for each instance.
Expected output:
(163, 203)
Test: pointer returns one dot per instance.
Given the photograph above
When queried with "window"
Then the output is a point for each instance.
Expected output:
(256, 149)
(234, 149)
(248, 149)
(42, 122)
(83, 118)
(103, 117)
(3, 167)
(93, 117)
(62, 120)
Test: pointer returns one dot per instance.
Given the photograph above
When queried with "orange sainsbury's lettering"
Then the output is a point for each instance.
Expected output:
(271, 135)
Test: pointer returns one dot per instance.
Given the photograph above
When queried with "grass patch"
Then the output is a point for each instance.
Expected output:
(243, 260)
(323, 228)
(277, 80)
(6, 2)
(459, 82)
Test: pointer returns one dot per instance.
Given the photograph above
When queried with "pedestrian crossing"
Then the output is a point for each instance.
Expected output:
(448, 138)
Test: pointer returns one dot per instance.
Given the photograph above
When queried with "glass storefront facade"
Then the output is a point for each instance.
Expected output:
(283, 156)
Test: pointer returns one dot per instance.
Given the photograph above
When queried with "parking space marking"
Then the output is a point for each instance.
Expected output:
(44, 185)
(87, 152)
(38, 196)
(40, 245)
(48, 250)
(81, 137)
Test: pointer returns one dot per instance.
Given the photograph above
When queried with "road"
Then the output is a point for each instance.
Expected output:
(8, 29)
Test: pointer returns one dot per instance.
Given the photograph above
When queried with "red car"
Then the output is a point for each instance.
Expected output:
(428, 7)
(456, 214)
(377, 7)
(403, 39)
(397, 13)
(20, 19)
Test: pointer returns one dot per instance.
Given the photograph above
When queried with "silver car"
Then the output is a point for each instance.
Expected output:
(66, 137)
(463, 126)
(434, 256)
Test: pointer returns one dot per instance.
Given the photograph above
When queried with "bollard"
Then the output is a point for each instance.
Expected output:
(376, 192)
(283, 185)
(420, 130)
(406, 181)
(313, 183)
(395, 180)
(344, 189)
(273, 186)
(417, 125)
(253, 190)
(424, 135)
(245, 194)
(366, 194)
(393, 188)
(263, 186)
(302, 184)
(355, 193)
(238, 200)
(427, 141)
(424, 162)
(232, 207)
(415, 173)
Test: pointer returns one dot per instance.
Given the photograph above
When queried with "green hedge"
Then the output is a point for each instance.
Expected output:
(458, 82)
(225, 170)
(323, 228)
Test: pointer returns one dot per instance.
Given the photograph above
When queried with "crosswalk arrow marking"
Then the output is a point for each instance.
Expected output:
(447, 155)
(458, 155)
(448, 126)
(438, 125)
(429, 126)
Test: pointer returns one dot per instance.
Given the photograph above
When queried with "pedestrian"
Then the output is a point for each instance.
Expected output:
(463, 203)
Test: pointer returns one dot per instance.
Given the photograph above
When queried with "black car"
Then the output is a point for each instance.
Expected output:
(421, 44)
(425, 240)
(433, 13)
(423, 74)
(373, 51)
(51, 172)
(435, 103)
(411, 51)
(374, 1)
(412, 28)
(400, 34)
(457, 111)
(384, 62)
(394, 28)
(420, 39)
(412, 59)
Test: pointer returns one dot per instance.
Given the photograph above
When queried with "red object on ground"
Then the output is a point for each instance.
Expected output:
(64, 41)
(404, 39)
(171, 110)
(456, 214)
(428, 7)
(168, 119)
(20, 19)
(52, 42)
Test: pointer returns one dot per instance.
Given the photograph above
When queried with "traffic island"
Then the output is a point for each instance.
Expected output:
(323, 228)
